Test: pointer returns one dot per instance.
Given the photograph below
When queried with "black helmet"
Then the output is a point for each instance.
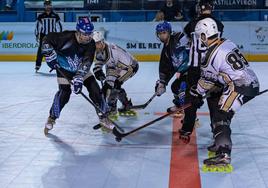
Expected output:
(47, 2)
(206, 5)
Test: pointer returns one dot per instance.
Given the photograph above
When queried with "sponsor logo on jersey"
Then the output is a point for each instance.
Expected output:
(74, 62)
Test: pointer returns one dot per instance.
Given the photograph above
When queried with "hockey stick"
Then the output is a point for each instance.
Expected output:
(262, 92)
(119, 135)
(92, 103)
(46, 74)
(142, 106)
(98, 126)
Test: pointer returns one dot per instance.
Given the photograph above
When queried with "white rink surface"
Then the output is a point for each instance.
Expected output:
(76, 156)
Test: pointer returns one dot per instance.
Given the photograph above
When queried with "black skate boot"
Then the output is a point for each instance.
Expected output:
(219, 159)
(125, 110)
(221, 162)
(37, 68)
(51, 121)
(106, 124)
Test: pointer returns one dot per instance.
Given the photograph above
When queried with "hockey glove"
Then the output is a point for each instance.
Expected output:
(78, 84)
(196, 98)
(160, 88)
(99, 75)
(184, 136)
(51, 57)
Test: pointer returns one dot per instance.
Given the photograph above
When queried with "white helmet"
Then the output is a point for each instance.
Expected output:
(98, 36)
(208, 28)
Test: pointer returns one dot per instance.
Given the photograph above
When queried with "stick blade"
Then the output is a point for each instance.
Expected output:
(117, 133)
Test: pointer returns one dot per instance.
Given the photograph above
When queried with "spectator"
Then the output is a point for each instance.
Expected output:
(159, 16)
(171, 11)
(9, 4)
(189, 9)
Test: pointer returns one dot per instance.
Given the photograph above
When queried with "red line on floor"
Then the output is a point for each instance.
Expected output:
(198, 113)
(184, 168)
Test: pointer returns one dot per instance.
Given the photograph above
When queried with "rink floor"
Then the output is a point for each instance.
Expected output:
(76, 156)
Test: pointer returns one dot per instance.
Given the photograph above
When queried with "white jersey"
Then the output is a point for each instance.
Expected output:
(225, 64)
(118, 63)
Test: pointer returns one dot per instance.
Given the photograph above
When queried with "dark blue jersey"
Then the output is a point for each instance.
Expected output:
(174, 57)
(71, 55)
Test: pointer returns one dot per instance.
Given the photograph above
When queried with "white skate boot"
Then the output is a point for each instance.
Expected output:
(49, 125)
(106, 124)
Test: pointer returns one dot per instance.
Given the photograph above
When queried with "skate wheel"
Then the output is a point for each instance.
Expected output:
(213, 168)
(104, 131)
(113, 118)
(204, 168)
(209, 168)
(229, 168)
(118, 139)
(127, 114)
(220, 169)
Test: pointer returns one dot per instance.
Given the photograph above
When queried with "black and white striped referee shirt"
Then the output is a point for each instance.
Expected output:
(47, 23)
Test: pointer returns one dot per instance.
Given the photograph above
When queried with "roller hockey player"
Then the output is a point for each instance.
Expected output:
(120, 66)
(72, 52)
(174, 59)
(197, 54)
(223, 63)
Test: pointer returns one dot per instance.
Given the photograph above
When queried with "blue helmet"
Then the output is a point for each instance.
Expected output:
(84, 25)
(163, 26)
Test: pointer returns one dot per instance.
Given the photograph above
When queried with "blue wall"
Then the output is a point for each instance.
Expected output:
(19, 14)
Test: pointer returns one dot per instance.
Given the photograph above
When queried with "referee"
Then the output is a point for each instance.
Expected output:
(47, 22)
(197, 56)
